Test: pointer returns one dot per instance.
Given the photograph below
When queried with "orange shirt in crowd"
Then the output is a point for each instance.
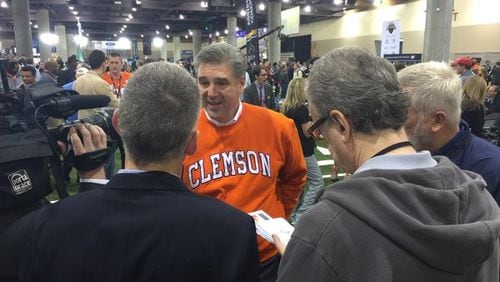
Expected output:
(117, 84)
(253, 164)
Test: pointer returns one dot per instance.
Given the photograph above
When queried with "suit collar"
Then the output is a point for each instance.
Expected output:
(147, 181)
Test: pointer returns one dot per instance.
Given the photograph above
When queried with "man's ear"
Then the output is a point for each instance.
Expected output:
(438, 119)
(114, 121)
(192, 143)
(341, 121)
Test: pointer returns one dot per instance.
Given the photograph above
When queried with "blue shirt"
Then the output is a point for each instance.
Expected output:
(475, 154)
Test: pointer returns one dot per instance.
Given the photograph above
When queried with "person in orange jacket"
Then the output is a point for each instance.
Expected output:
(248, 156)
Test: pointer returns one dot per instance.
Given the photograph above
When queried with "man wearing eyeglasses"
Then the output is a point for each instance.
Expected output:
(260, 93)
(247, 156)
(402, 215)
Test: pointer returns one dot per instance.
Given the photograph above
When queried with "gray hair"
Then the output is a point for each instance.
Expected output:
(361, 86)
(158, 112)
(222, 53)
(433, 86)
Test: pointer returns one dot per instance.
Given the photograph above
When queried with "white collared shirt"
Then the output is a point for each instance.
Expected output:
(232, 121)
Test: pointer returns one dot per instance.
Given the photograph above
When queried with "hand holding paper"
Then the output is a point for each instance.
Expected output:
(270, 228)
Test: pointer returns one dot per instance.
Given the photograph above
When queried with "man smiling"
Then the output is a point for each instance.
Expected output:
(247, 156)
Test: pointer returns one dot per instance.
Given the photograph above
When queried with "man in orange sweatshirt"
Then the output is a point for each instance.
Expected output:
(247, 156)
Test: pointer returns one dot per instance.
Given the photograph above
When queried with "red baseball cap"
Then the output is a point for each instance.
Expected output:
(463, 61)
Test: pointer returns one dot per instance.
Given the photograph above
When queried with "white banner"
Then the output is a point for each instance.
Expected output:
(391, 35)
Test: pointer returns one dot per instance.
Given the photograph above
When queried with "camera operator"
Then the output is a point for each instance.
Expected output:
(144, 218)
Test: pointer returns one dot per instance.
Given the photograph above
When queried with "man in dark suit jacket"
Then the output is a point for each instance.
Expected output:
(492, 102)
(144, 224)
(260, 93)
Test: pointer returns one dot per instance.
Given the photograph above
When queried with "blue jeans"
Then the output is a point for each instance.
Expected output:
(316, 185)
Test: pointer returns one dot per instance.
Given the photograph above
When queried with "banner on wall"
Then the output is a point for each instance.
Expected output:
(391, 34)
(252, 36)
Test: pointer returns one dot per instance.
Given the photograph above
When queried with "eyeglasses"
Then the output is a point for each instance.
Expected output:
(315, 125)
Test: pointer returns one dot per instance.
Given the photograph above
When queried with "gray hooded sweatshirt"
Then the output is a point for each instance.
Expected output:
(426, 224)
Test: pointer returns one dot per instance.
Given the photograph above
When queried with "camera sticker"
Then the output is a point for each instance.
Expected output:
(20, 181)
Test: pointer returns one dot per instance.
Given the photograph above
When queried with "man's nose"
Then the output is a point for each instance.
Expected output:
(211, 90)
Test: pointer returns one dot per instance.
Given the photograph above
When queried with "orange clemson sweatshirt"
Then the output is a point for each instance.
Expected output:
(254, 164)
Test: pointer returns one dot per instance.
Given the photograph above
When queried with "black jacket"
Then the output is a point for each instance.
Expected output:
(251, 96)
(138, 227)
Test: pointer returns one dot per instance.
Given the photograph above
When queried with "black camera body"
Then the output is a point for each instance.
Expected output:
(28, 146)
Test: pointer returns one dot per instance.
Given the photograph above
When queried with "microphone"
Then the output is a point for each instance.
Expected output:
(76, 102)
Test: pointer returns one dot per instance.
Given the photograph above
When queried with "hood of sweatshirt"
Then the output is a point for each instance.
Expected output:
(442, 215)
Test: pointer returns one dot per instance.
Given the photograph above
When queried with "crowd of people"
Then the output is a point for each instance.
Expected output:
(420, 204)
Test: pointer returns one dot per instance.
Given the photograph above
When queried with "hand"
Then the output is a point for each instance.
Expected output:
(94, 139)
(316, 134)
(279, 245)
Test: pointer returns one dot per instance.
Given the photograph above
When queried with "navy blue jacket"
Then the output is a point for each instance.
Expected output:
(138, 227)
(475, 154)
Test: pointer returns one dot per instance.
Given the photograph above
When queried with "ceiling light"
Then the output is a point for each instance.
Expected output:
(167, 27)
(157, 32)
(217, 33)
(121, 31)
(226, 31)
(142, 35)
(49, 38)
(87, 35)
(116, 2)
(210, 35)
(138, 2)
(262, 6)
(157, 42)
(4, 4)
(35, 26)
(190, 33)
(75, 13)
(286, 1)
(168, 36)
(114, 35)
(134, 9)
(307, 9)
(71, 8)
(181, 17)
(204, 4)
(243, 12)
(264, 29)
(130, 16)
(127, 19)
(236, 29)
(338, 2)
(186, 36)
(124, 26)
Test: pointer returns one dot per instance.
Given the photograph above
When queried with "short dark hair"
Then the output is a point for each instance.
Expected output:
(96, 58)
(256, 71)
(115, 55)
(29, 68)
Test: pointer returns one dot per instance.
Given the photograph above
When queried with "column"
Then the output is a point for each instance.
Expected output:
(62, 48)
(196, 42)
(231, 28)
(22, 28)
(42, 19)
(274, 20)
(71, 45)
(438, 30)
(163, 49)
(177, 48)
